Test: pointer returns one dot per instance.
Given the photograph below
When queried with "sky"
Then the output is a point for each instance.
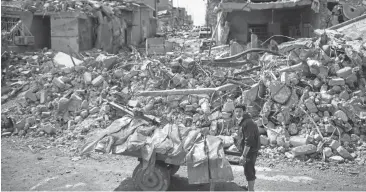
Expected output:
(196, 8)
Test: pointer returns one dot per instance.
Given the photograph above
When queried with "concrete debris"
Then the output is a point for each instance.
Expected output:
(337, 159)
(307, 105)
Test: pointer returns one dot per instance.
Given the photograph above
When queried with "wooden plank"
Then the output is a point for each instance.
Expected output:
(63, 43)
(64, 27)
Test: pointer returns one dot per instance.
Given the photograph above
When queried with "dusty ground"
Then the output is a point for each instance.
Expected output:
(52, 169)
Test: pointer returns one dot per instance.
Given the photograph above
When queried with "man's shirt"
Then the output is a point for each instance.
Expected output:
(249, 134)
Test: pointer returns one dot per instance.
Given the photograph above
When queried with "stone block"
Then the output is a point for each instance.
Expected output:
(351, 79)
(65, 60)
(30, 121)
(309, 103)
(31, 96)
(334, 145)
(264, 140)
(228, 106)
(75, 102)
(78, 119)
(42, 108)
(341, 115)
(329, 128)
(304, 150)
(109, 62)
(344, 72)
(87, 78)
(226, 115)
(94, 110)
(292, 129)
(344, 95)
(48, 128)
(354, 138)
(297, 141)
(285, 78)
(118, 73)
(345, 137)
(84, 114)
(63, 105)
(336, 81)
(280, 93)
(85, 105)
(98, 80)
(337, 159)
(327, 152)
(344, 153)
(43, 96)
(45, 114)
(59, 83)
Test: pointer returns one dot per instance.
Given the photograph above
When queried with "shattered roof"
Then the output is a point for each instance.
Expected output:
(86, 6)
(247, 6)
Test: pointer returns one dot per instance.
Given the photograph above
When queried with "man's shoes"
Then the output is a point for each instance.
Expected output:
(245, 187)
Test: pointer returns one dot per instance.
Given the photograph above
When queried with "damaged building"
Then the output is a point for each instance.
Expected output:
(77, 26)
(238, 19)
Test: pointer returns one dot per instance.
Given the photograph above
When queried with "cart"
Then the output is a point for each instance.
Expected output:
(159, 180)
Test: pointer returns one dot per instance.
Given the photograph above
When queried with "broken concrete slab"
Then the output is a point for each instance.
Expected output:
(344, 72)
(31, 96)
(48, 128)
(341, 115)
(327, 152)
(336, 81)
(187, 91)
(64, 59)
(337, 159)
(87, 78)
(334, 144)
(59, 83)
(304, 150)
(264, 140)
(298, 141)
(98, 81)
(279, 92)
(310, 105)
(344, 153)
(107, 61)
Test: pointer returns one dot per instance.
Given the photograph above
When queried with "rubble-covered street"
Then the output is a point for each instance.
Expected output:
(66, 115)
(52, 170)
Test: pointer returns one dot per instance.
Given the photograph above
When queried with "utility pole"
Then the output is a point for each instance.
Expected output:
(156, 11)
(207, 12)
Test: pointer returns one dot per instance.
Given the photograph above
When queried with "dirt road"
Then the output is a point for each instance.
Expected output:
(52, 169)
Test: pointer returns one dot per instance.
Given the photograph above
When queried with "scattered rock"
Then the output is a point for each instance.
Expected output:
(337, 159)
(94, 110)
(264, 140)
(334, 145)
(304, 150)
(341, 115)
(344, 153)
(327, 152)
(98, 81)
(337, 81)
(84, 114)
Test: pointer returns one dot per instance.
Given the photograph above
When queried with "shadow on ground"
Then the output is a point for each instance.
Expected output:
(178, 183)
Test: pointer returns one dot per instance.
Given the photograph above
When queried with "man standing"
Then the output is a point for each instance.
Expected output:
(248, 143)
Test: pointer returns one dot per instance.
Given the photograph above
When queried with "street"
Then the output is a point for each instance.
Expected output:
(51, 169)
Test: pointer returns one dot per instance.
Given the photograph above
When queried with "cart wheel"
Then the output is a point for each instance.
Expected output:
(173, 169)
(159, 180)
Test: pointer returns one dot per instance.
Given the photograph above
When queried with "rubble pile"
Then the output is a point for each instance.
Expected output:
(308, 100)
(317, 102)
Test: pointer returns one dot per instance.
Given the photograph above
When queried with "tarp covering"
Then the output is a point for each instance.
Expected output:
(179, 144)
